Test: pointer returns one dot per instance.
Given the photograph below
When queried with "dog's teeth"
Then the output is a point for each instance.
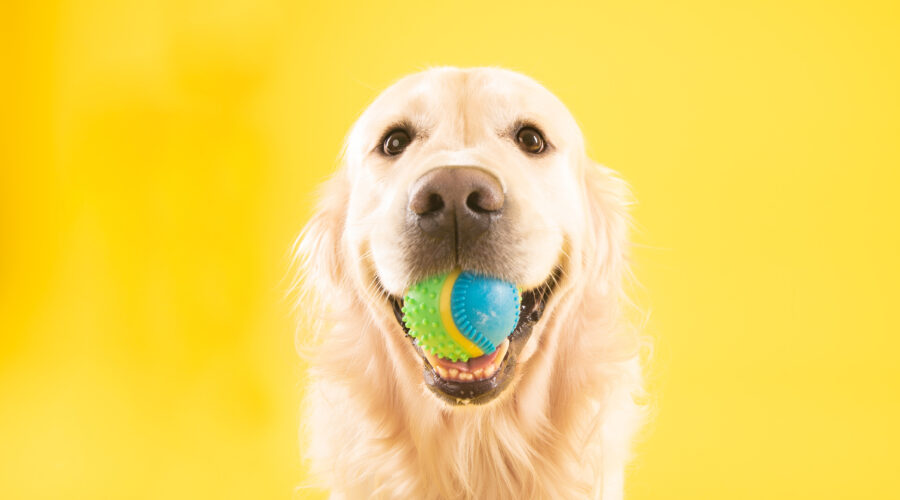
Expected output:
(483, 373)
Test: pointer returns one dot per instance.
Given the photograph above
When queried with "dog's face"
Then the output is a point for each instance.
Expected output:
(479, 169)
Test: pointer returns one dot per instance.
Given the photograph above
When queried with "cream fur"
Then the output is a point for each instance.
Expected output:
(563, 428)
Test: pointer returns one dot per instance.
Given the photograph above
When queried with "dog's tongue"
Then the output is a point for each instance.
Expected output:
(473, 364)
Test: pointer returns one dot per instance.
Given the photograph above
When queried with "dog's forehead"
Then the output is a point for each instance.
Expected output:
(486, 94)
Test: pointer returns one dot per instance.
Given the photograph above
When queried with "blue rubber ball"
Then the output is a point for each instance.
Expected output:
(485, 309)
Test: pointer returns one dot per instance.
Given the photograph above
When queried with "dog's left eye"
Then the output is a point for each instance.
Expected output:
(530, 140)
(395, 142)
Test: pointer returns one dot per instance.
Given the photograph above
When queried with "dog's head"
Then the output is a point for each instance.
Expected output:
(480, 169)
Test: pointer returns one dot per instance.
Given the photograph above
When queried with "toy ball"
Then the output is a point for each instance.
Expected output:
(460, 314)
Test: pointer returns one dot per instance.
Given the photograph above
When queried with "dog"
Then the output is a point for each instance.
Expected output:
(481, 169)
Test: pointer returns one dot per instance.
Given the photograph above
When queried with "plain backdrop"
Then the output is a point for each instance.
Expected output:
(158, 159)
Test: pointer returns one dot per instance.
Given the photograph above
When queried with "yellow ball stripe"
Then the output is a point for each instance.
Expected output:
(447, 318)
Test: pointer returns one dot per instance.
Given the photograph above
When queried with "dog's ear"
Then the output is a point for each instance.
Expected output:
(320, 277)
(607, 199)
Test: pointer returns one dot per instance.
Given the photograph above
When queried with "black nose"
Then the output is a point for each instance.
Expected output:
(456, 202)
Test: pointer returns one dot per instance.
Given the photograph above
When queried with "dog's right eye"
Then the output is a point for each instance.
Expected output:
(395, 142)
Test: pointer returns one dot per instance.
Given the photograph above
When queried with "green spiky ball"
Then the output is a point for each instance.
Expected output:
(422, 316)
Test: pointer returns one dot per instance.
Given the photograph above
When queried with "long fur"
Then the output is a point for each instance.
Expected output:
(373, 431)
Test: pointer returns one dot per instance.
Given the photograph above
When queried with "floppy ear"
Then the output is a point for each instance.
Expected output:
(607, 199)
(320, 277)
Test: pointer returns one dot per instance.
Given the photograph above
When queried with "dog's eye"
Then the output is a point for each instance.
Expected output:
(530, 140)
(395, 142)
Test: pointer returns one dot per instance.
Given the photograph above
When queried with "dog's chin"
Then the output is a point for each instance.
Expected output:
(482, 379)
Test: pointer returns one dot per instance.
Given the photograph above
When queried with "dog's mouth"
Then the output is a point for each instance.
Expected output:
(481, 379)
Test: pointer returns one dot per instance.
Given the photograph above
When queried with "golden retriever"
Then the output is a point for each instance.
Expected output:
(480, 169)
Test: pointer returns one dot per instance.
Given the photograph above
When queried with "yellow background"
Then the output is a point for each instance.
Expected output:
(158, 159)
